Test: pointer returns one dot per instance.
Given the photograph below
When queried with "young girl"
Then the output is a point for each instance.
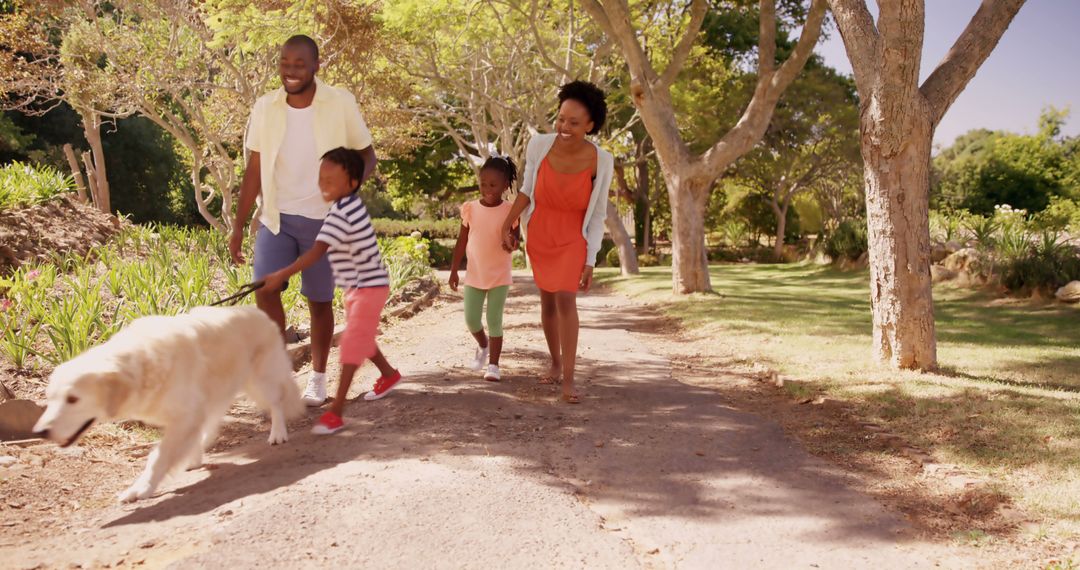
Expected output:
(488, 273)
(349, 238)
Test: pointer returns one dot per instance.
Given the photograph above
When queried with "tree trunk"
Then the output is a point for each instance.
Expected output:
(76, 172)
(689, 262)
(642, 215)
(781, 227)
(100, 184)
(627, 256)
(897, 213)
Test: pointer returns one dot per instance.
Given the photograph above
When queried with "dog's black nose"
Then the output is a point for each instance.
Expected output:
(43, 434)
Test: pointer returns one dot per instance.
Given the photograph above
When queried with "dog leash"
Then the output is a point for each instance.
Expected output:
(243, 292)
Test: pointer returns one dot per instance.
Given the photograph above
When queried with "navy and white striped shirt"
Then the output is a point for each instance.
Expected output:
(354, 253)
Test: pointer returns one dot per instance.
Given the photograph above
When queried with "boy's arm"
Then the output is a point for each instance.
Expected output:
(459, 252)
(276, 280)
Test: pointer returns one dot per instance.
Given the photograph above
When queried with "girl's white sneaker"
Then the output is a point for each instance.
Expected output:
(480, 358)
(492, 374)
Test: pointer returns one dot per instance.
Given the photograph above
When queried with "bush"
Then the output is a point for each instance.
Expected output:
(518, 259)
(1042, 265)
(612, 257)
(606, 246)
(1062, 214)
(754, 253)
(650, 260)
(431, 229)
(847, 241)
(440, 255)
(24, 184)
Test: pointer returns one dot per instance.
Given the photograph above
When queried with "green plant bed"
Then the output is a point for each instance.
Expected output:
(24, 184)
(50, 312)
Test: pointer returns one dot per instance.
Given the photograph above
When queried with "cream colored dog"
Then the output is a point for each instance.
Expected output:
(179, 373)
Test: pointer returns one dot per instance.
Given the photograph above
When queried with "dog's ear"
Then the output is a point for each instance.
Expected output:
(115, 390)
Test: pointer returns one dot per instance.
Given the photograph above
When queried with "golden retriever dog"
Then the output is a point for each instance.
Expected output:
(180, 373)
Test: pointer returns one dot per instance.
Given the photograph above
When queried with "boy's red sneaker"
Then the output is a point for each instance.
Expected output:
(383, 386)
(329, 423)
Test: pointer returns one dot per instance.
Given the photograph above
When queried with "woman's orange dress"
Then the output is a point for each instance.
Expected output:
(555, 245)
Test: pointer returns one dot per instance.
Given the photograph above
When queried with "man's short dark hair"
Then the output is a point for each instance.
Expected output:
(300, 40)
(591, 97)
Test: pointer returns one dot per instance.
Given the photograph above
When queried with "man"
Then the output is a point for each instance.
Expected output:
(289, 130)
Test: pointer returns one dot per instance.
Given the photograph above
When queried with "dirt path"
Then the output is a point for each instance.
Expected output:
(455, 472)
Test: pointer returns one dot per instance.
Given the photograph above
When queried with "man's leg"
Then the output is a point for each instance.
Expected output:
(272, 253)
(322, 331)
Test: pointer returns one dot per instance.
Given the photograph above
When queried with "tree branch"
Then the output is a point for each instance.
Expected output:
(968, 53)
(861, 38)
(766, 37)
(698, 9)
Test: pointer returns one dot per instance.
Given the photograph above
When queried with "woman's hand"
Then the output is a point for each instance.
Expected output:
(586, 278)
(509, 240)
(453, 280)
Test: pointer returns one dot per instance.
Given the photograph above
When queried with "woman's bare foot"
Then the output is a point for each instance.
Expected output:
(571, 397)
(552, 376)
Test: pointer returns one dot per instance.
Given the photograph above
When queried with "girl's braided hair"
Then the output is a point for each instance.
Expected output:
(502, 164)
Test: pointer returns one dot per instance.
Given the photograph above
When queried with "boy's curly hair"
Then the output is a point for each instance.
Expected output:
(589, 95)
(502, 164)
(349, 159)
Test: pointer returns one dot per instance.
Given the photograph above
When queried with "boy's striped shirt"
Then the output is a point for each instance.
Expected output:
(354, 252)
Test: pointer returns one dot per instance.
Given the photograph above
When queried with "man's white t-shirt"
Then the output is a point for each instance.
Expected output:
(296, 171)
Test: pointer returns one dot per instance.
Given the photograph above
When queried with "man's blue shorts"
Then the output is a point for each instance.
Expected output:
(275, 252)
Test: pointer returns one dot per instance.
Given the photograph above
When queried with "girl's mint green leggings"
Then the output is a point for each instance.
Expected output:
(474, 306)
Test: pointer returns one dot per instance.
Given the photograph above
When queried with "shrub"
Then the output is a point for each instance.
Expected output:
(1042, 265)
(1062, 214)
(431, 229)
(440, 255)
(612, 257)
(651, 260)
(847, 241)
(518, 259)
(25, 184)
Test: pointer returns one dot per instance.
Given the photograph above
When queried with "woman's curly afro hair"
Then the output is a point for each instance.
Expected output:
(589, 95)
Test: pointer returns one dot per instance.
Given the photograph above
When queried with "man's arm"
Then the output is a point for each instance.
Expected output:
(249, 190)
(370, 160)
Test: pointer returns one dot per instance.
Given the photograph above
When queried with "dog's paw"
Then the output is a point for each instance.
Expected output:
(278, 435)
(135, 492)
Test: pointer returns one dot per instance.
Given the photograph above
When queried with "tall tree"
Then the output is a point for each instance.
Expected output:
(811, 142)
(898, 118)
(690, 176)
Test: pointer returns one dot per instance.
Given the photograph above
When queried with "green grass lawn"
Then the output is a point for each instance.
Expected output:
(1006, 401)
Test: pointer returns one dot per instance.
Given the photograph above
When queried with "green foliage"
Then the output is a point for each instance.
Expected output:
(983, 169)
(1040, 264)
(148, 175)
(52, 311)
(1062, 214)
(847, 241)
(446, 229)
(440, 255)
(25, 184)
(653, 260)
(407, 258)
(612, 257)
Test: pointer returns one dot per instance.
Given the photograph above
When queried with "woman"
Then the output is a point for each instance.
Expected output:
(563, 203)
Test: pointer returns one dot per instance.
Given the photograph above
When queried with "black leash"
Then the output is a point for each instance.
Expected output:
(243, 292)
